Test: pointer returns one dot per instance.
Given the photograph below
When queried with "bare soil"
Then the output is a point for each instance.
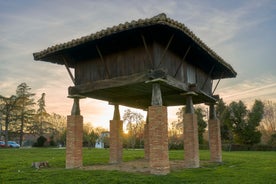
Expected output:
(141, 166)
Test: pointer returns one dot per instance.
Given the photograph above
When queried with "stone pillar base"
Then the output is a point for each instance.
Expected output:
(214, 140)
(115, 141)
(74, 141)
(158, 140)
(191, 153)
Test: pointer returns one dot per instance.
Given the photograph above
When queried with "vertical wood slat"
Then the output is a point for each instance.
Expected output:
(147, 51)
(165, 51)
(102, 59)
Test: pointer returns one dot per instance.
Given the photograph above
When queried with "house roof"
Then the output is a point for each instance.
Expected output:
(51, 54)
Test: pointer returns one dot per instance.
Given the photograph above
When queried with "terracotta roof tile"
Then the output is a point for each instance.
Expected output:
(159, 19)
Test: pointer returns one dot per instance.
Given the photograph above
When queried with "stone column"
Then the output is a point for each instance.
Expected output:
(158, 134)
(115, 140)
(191, 153)
(214, 136)
(146, 138)
(74, 136)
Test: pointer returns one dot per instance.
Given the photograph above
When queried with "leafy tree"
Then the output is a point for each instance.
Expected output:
(58, 127)
(241, 123)
(135, 127)
(25, 105)
(272, 140)
(87, 129)
(268, 124)
(223, 114)
(91, 135)
(175, 136)
(40, 141)
(8, 108)
(199, 111)
(41, 115)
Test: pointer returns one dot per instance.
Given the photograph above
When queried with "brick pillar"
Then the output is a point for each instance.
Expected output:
(115, 140)
(74, 141)
(214, 136)
(158, 140)
(158, 133)
(74, 137)
(146, 139)
(191, 153)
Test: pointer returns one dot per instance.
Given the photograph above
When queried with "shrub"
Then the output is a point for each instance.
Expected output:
(40, 141)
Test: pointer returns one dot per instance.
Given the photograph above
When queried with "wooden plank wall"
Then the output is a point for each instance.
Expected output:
(136, 60)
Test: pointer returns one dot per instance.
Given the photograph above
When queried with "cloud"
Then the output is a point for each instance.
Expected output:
(263, 87)
(239, 31)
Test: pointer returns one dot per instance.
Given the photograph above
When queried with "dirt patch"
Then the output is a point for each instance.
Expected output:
(141, 166)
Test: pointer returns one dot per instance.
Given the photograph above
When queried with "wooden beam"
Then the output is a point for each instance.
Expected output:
(165, 51)
(68, 70)
(147, 51)
(183, 59)
(171, 82)
(108, 83)
(209, 74)
(217, 83)
(105, 65)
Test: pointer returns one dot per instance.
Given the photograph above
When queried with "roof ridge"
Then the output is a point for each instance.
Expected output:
(157, 19)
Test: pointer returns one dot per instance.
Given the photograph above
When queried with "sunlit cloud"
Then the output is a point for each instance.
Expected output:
(30, 26)
(259, 88)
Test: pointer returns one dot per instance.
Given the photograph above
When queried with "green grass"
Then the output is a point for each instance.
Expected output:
(238, 167)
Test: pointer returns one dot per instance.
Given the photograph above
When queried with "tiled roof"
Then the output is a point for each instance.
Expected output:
(159, 19)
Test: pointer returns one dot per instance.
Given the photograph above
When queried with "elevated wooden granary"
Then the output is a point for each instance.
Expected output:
(141, 64)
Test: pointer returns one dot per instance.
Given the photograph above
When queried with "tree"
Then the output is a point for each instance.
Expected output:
(243, 123)
(91, 135)
(8, 111)
(58, 127)
(41, 115)
(175, 136)
(268, 124)
(223, 114)
(199, 111)
(40, 141)
(25, 105)
(135, 127)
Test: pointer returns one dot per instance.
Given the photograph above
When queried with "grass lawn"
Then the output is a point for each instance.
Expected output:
(238, 167)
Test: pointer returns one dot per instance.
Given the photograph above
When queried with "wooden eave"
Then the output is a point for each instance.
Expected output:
(162, 25)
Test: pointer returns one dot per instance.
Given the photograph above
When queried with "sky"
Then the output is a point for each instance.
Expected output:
(243, 32)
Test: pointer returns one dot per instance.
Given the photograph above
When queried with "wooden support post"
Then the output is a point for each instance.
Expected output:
(156, 99)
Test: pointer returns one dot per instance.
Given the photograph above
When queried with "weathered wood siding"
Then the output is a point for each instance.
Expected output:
(136, 60)
(125, 63)
(187, 72)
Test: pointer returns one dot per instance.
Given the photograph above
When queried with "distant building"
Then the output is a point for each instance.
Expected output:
(101, 140)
